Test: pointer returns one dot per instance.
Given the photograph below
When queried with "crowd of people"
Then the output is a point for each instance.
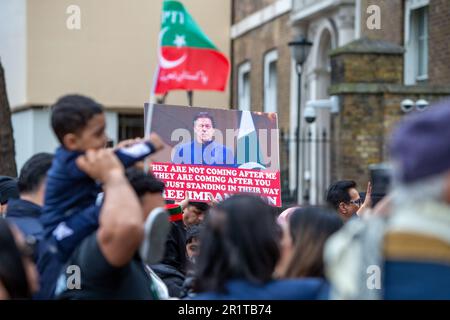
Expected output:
(87, 222)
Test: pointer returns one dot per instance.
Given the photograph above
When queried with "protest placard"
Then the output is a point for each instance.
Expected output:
(214, 153)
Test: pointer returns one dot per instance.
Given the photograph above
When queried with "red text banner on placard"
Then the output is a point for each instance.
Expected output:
(200, 182)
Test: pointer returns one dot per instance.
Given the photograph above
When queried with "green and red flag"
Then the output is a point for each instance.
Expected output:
(188, 60)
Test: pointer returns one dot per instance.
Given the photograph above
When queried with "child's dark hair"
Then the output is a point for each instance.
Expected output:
(71, 113)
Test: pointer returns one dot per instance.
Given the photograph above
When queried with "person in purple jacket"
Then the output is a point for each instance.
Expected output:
(70, 211)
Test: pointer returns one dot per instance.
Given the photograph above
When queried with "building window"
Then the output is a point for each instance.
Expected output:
(270, 81)
(421, 16)
(416, 41)
(244, 93)
(131, 126)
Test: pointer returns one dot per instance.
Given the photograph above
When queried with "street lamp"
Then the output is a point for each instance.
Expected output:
(300, 48)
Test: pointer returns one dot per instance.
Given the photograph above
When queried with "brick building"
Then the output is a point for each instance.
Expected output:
(407, 58)
(401, 21)
(261, 66)
(371, 71)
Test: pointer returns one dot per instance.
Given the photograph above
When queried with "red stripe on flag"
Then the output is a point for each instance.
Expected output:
(200, 69)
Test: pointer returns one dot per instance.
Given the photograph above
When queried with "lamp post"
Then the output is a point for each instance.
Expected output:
(300, 48)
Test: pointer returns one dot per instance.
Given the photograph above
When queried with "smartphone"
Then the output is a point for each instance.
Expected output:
(381, 179)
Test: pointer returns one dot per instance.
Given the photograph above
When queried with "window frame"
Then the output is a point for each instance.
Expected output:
(269, 58)
(411, 42)
(243, 69)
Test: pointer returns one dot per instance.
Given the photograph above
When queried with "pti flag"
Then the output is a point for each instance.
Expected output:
(188, 60)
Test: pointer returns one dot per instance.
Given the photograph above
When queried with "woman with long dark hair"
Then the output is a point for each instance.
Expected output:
(18, 275)
(239, 251)
(309, 229)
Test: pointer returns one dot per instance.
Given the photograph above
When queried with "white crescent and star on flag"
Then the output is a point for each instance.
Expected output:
(179, 42)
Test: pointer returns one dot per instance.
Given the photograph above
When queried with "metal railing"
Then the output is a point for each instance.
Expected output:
(288, 196)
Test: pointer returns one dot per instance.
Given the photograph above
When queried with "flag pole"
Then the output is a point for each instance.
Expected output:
(149, 114)
(162, 100)
(151, 102)
(190, 95)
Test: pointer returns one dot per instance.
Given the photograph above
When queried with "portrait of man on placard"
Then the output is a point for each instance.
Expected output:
(203, 149)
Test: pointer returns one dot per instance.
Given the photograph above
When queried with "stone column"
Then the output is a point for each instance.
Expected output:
(360, 72)
(345, 23)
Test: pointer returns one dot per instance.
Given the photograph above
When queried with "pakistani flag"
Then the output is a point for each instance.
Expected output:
(248, 153)
(188, 60)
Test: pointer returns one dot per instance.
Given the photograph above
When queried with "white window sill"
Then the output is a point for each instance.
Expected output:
(422, 78)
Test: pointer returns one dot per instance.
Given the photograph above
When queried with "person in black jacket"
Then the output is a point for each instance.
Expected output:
(172, 269)
(25, 211)
(192, 214)
(192, 252)
(8, 191)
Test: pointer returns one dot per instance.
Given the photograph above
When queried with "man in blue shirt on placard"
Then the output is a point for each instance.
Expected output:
(203, 150)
